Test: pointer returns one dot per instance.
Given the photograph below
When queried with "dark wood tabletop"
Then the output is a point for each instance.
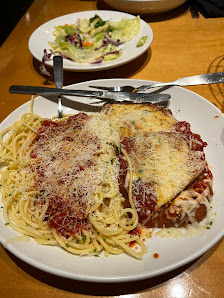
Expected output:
(182, 46)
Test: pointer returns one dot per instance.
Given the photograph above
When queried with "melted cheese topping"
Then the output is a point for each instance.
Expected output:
(127, 119)
(165, 159)
(164, 154)
(62, 154)
(77, 162)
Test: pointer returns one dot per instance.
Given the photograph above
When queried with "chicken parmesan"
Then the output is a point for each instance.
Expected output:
(90, 183)
(172, 184)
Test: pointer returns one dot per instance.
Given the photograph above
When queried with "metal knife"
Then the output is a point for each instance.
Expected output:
(104, 95)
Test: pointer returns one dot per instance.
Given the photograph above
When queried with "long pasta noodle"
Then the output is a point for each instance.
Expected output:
(26, 208)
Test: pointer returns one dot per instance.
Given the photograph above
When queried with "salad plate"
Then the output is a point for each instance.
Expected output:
(40, 38)
(173, 252)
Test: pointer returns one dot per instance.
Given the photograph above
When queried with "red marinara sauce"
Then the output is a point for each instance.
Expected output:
(136, 232)
(67, 210)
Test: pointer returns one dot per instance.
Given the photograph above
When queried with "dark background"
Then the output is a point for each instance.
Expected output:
(11, 13)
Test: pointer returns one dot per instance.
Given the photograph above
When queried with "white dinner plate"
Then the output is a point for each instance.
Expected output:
(42, 35)
(206, 120)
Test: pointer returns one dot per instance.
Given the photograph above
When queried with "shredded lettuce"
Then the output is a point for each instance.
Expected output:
(142, 41)
(126, 29)
(93, 40)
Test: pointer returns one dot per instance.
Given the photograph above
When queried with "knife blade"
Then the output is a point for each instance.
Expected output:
(104, 95)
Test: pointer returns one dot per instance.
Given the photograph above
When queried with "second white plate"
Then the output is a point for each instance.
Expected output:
(41, 36)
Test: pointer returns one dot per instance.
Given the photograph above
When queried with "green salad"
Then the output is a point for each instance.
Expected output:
(94, 40)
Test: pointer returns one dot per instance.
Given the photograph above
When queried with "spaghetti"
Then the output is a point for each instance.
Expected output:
(58, 187)
(88, 182)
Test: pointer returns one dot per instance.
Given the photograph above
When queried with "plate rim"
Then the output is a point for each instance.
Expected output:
(74, 276)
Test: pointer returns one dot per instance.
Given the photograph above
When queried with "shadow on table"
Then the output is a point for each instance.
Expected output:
(110, 289)
(174, 13)
(124, 71)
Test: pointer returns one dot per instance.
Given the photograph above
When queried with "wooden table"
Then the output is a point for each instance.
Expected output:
(182, 46)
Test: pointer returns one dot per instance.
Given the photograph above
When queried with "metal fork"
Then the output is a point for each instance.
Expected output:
(115, 89)
(58, 80)
(205, 79)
